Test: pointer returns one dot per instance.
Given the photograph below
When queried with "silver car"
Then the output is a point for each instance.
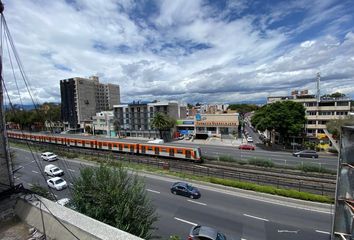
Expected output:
(206, 233)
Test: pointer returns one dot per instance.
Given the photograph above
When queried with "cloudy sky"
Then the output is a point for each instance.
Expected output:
(187, 50)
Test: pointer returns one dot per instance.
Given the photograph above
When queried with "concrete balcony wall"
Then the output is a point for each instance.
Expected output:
(328, 108)
(322, 117)
(315, 126)
(82, 226)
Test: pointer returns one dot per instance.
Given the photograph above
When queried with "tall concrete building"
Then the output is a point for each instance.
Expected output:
(82, 98)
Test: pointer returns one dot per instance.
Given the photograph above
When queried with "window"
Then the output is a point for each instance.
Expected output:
(311, 113)
(342, 103)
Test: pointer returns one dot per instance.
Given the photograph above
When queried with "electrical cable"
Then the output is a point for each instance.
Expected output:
(40, 168)
(24, 76)
(43, 225)
(32, 195)
(7, 33)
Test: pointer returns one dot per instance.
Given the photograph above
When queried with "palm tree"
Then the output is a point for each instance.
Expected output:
(162, 123)
(116, 126)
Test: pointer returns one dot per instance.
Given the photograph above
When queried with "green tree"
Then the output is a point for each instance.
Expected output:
(285, 117)
(115, 197)
(27, 118)
(163, 124)
(116, 127)
(88, 129)
(334, 126)
(334, 95)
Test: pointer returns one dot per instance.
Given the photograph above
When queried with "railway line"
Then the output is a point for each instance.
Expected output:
(323, 184)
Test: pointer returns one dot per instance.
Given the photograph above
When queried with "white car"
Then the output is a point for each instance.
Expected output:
(52, 170)
(63, 201)
(57, 183)
(49, 156)
(249, 139)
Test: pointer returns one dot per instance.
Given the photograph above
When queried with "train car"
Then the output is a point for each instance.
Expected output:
(193, 154)
(179, 152)
(117, 146)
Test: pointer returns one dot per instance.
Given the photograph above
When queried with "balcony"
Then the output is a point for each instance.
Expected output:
(83, 227)
(328, 108)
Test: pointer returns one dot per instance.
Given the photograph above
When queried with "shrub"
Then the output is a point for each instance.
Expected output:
(261, 162)
(226, 158)
(332, 150)
(272, 190)
(308, 167)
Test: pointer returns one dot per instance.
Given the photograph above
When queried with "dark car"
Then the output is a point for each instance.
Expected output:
(246, 147)
(306, 153)
(206, 233)
(185, 189)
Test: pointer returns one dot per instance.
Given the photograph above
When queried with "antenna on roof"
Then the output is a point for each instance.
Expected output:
(318, 87)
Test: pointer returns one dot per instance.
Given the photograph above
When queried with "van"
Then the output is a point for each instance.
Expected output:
(157, 141)
(52, 170)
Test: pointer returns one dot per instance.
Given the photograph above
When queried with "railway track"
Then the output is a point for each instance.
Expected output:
(323, 184)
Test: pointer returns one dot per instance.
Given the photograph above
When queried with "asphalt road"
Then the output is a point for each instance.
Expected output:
(238, 216)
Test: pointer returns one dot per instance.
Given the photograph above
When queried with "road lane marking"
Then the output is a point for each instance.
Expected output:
(71, 170)
(319, 231)
(288, 231)
(30, 184)
(263, 219)
(149, 190)
(185, 221)
(35, 171)
(71, 184)
(204, 204)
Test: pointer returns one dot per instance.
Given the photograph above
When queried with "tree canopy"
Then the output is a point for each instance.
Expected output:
(162, 123)
(285, 117)
(243, 108)
(115, 197)
(334, 126)
(26, 118)
(334, 95)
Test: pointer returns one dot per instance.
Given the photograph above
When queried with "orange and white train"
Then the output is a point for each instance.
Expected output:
(178, 152)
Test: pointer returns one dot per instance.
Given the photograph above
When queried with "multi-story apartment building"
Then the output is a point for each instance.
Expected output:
(318, 110)
(134, 119)
(82, 98)
(207, 109)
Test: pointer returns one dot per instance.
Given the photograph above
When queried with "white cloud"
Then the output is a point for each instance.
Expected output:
(186, 50)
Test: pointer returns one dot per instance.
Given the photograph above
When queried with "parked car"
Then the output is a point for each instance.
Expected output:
(185, 189)
(52, 170)
(249, 139)
(49, 156)
(57, 183)
(247, 147)
(206, 233)
(63, 201)
(306, 153)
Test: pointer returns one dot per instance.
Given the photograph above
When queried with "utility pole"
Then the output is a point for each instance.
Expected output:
(6, 174)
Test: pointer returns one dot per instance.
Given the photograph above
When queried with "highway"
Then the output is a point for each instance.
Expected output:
(239, 215)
